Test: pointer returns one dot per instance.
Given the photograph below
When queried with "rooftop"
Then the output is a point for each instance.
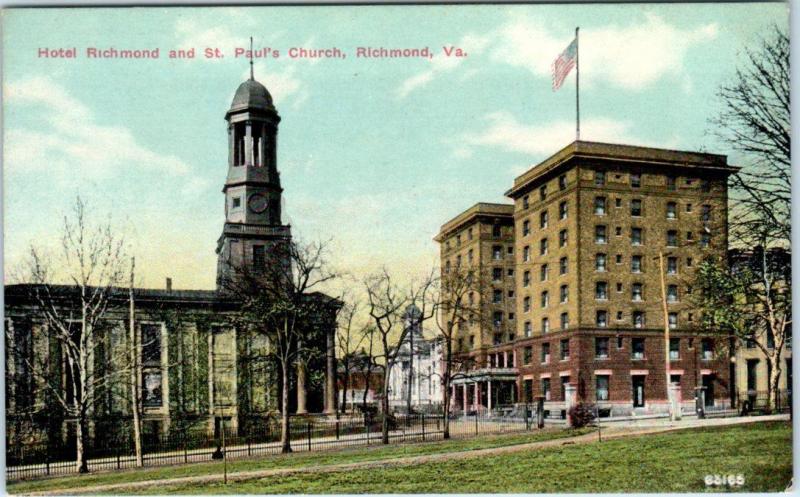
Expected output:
(621, 153)
(479, 209)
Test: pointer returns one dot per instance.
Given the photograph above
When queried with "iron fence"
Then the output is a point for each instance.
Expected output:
(306, 434)
(748, 401)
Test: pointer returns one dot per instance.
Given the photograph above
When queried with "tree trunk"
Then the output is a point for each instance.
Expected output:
(385, 406)
(345, 385)
(774, 380)
(446, 381)
(134, 379)
(285, 442)
(81, 433)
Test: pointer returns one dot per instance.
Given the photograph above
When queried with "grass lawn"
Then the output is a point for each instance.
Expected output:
(303, 459)
(668, 462)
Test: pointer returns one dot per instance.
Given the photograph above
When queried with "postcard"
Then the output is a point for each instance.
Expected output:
(414, 249)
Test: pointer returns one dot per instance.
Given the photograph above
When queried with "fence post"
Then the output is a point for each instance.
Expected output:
(47, 462)
(337, 429)
(527, 419)
(423, 426)
(367, 426)
(117, 451)
(308, 430)
(249, 443)
(185, 448)
(476, 422)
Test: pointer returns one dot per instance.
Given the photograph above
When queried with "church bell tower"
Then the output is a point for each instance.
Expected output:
(253, 230)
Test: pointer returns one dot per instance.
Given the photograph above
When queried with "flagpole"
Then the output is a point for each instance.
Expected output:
(577, 87)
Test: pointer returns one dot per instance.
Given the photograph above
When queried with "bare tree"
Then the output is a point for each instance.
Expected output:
(91, 263)
(456, 307)
(279, 302)
(755, 120)
(348, 339)
(365, 361)
(135, 385)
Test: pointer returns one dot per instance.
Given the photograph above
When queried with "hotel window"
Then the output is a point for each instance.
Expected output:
(618, 231)
(674, 349)
(620, 343)
(636, 263)
(545, 325)
(510, 273)
(151, 345)
(689, 236)
(526, 228)
(673, 320)
(672, 210)
(543, 192)
(600, 263)
(545, 299)
(546, 388)
(497, 274)
(601, 319)
(601, 347)
(562, 266)
(527, 354)
(469, 234)
(152, 395)
(543, 219)
(705, 185)
(564, 294)
(618, 202)
(497, 231)
(706, 215)
(562, 182)
(510, 251)
(636, 207)
(637, 348)
(689, 262)
(688, 207)
(636, 292)
(526, 253)
(526, 202)
(619, 315)
(497, 319)
(600, 206)
(672, 293)
(601, 387)
(543, 272)
(543, 246)
(564, 349)
(636, 236)
(237, 202)
(526, 279)
(526, 304)
(705, 240)
(672, 183)
(638, 319)
(562, 238)
(562, 210)
(497, 252)
(619, 287)
(600, 234)
(636, 180)
(672, 265)
(619, 258)
(472, 340)
(470, 255)
(672, 238)
(497, 339)
(708, 349)
(601, 290)
(497, 296)
(528, 328)
(545, 354)
(599, 178)
(511, 294)
(564, 321)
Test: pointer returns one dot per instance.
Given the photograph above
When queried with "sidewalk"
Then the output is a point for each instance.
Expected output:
(613, 432)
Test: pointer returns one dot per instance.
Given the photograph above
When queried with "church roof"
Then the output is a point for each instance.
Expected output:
(252, 94)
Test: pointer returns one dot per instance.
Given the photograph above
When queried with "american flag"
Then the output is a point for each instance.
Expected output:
(564, 64)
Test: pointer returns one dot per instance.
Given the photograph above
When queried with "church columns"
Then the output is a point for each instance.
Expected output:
(248, 143)
(301, 388)
(330, 372)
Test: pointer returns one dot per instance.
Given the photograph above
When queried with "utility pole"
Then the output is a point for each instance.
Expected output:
(666, 329)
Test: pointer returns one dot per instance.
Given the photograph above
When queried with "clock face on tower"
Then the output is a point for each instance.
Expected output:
(257, 203)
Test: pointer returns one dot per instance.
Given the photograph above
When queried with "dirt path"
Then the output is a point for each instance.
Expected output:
(608, 434)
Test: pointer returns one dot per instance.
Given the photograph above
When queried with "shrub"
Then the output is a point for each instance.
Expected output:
(582, 414)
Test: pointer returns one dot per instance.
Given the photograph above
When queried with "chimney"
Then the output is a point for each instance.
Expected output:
(169, 284)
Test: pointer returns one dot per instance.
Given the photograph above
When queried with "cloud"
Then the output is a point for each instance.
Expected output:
(70, 141)
(504, 131)
(473, 45)
(630, 57)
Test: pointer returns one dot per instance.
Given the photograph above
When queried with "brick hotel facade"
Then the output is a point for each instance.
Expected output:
(575, 280)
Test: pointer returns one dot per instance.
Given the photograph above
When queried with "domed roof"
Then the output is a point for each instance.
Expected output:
(251, 94)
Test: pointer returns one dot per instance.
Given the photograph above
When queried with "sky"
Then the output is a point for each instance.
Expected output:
(375, 154)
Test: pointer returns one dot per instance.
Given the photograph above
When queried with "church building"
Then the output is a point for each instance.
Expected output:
(197, 368)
